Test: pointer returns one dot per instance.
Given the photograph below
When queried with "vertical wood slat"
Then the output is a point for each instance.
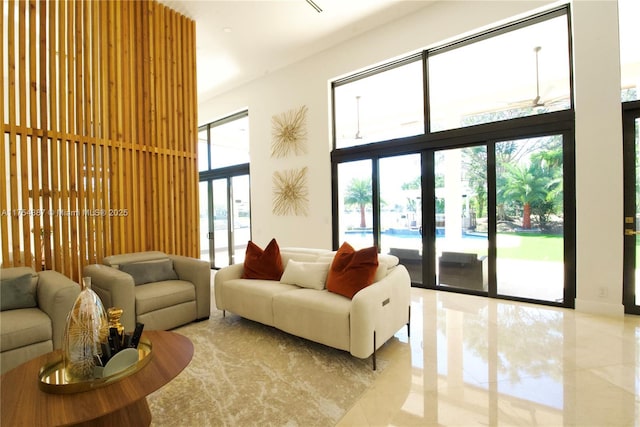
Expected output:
(191, 132)
(127, 127)
(54, 127)
(105, 127)
(73, 104)
(132, 58)
(96, 104)
(34, 217)
(22, 89)
(191, 121)
(153, 195)
(138, 133)
(161, 172)
(112, 149)
(174, 238)
(44, 142)
(147, 125)
(179, 129)
(32, 121)
(89, 160)
(21, 140)
(123, 175)
(168, 104)
(95, 133)
(77, 148)
(63, 126)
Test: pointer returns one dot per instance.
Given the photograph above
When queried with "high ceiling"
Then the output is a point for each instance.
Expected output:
(238, 41)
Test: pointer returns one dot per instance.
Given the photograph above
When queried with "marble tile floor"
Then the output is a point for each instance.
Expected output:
(474, 361)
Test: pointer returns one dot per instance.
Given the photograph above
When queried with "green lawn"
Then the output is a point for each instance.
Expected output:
(530, 246)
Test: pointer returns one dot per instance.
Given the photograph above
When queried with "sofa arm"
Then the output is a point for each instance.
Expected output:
(56, 296)
(198, 272)
(225, 274)
(116, 289)
(382, 307)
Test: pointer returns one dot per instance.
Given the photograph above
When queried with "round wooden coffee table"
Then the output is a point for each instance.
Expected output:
(122, 403)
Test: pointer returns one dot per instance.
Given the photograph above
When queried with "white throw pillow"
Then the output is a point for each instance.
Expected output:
(306, 274)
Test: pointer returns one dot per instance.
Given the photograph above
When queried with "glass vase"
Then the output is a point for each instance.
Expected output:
(87, 327)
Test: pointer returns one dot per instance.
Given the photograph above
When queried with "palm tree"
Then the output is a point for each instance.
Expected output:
(548, 165)
(359, 193)
(525, 187)
(475, 163)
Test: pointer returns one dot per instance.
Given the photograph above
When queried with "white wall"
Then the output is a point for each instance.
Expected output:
(599, 191)
(599, 212)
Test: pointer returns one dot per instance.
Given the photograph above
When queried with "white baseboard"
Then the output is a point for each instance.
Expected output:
(597, 307)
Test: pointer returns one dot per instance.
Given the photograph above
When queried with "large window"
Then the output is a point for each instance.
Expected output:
(380, 106)
(225, 211)
(472, 186)
(518, 73)
(224, 143)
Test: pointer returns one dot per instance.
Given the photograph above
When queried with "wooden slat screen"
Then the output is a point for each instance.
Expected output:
(99, 132)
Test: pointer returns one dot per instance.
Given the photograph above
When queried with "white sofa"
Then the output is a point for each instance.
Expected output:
(359, 325)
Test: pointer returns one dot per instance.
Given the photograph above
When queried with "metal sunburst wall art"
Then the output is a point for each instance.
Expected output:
(289, 133)
(290, 193)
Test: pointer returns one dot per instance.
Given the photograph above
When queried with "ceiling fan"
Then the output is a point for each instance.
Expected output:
(537, 100)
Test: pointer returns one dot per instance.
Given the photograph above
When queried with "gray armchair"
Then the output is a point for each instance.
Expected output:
(411, 259)
(162, 291)
(34, 313)
(463, 270)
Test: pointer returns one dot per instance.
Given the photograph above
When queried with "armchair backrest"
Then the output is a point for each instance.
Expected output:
(459, 258)
(130, 258)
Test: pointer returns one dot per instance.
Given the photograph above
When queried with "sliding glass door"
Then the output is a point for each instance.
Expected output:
(524, 223)
(461, 218)
(401, 211)
(224, 220)
(530, 216)
(487, 219)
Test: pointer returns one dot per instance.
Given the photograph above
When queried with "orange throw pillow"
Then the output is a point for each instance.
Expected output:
(263, 264)
(352, 270)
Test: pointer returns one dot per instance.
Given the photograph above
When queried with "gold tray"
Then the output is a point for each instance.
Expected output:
(53, 379)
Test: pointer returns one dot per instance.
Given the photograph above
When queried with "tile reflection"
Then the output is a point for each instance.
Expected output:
(475, 361)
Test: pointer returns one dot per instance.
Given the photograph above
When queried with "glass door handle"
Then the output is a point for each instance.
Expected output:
(630, 232)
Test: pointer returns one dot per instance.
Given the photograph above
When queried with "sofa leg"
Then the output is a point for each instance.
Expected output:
(224, 313)
(374, 350)
(409, 324)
